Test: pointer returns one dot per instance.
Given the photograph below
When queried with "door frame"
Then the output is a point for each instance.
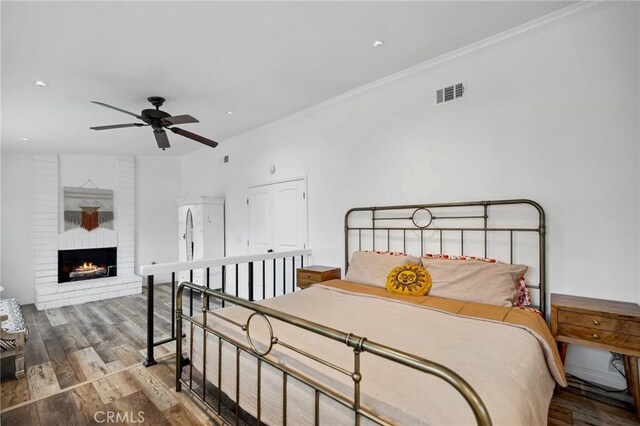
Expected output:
(275, 182)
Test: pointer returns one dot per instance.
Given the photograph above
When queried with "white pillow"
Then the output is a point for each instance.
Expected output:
(474, 280)
(373, 268)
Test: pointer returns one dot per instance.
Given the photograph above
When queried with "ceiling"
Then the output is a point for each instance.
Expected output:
(263, 60)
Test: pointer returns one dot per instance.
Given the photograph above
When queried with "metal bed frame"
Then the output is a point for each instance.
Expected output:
(358, 344)
(381, 227)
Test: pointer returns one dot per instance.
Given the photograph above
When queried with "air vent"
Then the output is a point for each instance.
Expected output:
(450, 93)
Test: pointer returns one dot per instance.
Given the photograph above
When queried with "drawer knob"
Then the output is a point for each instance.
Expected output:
(596, 322)
(595, 336)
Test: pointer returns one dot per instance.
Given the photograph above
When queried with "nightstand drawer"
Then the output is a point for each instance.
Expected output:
(599, 322)
(309, 275)
(306, 283)
(599, 336)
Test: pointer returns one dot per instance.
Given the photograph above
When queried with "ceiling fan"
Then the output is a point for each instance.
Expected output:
(159, 120)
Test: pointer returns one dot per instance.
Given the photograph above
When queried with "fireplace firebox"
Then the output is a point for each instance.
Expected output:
(87, 264)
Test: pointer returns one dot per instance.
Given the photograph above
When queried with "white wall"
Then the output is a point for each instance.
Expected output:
(552, 116)
(158, 187)
(17, 227)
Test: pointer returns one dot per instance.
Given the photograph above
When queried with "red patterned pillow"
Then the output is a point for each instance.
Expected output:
(446, 256)
(530, 309)
(522, 299)
(389, 253)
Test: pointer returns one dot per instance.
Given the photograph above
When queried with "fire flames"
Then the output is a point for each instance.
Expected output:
(86, 267)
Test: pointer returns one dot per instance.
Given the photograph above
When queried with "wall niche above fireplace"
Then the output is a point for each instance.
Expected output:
(87, 264)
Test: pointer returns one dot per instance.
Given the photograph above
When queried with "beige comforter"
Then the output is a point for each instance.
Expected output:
(511, 366)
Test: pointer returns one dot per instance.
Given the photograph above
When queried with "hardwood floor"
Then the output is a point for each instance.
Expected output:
(131, 395)
(580, 404)
(84, 362)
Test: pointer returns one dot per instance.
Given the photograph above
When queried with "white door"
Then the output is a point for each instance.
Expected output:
(277, 221)
(277, 216)
(260, 215)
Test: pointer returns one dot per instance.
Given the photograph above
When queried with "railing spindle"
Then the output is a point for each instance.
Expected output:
(293, 273)
(208, 284)
(274, 278)
(250, 281)
(173, 305)
(237, 279)
(190, 293)
(150, 328)
(224, 281)
(264, 283)
(284, 275)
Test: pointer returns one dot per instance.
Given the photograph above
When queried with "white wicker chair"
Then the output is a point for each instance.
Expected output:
(13, 333)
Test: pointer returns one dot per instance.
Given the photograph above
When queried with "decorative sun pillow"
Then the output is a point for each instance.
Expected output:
(372, 268)
(412, 280)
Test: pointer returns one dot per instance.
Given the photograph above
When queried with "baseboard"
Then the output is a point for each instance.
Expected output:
(611, 379)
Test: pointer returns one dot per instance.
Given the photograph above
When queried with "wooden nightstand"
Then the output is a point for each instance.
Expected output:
(603, 324)
(315, 274)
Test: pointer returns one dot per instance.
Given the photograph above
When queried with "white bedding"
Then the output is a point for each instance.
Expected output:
(504, 364)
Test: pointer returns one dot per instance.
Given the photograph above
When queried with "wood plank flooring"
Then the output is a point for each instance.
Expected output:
(79, 343)
(84, 361)
(580, 404)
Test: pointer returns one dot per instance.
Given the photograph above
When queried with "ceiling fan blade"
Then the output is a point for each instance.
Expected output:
(179, 119)
(193, 136)
(116, 108)
(162, 139)
(118, 126)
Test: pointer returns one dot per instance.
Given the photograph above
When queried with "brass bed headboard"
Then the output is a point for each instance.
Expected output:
(511, 231)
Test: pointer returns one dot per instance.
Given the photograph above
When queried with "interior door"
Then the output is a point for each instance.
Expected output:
(260, 227)
(277, 215)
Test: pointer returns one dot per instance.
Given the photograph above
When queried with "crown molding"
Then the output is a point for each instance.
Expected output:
(544, 23)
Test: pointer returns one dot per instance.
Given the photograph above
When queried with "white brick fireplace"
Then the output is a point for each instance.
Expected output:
(49, 238)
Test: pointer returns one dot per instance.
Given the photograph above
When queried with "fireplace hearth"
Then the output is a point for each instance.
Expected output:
(87, 264)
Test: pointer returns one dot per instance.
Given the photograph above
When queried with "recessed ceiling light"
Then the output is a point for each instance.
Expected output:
(39, 83)
(25, 139)
(229, 112)
(377, 43)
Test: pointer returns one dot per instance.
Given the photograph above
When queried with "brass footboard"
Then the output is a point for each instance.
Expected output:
(357, 343)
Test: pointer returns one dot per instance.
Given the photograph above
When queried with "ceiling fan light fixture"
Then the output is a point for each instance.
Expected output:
(378, 43)
(158, 120)
(40, 83)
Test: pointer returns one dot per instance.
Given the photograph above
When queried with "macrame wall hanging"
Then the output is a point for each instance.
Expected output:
(88, 208)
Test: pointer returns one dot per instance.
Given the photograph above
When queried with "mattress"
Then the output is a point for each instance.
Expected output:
(512, 364)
